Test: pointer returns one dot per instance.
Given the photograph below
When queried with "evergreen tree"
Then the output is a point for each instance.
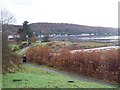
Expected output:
(22, 34)
(46, 38)
(26, 29)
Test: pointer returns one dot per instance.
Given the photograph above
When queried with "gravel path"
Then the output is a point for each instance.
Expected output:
(74, 76)
(23, 50)
(68, 74)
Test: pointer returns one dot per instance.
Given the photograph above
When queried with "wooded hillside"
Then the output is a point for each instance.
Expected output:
(65, 28)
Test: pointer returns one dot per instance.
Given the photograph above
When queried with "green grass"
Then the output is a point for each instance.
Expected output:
(35, 78)
(0, 81)
(39, 43)
(14, 47)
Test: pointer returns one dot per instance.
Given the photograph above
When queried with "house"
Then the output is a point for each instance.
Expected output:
(13, 36)
(10, 37)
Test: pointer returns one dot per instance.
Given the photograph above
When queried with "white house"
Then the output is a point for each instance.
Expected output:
(12, 37)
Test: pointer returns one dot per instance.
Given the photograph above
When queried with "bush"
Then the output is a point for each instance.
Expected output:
(38, 54)
(46, 38)
(33, 39)
(103, 64)
(14, 47)
(38, 43)
(10, 61)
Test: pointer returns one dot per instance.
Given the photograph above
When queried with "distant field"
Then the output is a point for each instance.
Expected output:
(80, 45)
(87, 44)
(93, 44)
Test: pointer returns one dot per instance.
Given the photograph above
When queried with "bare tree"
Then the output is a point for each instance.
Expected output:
(6, 17)
(7, 55)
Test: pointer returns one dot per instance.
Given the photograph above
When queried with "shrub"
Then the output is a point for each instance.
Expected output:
(10, 61)
(33, 39)
(38, 54)
(14, 47)
(46, 38)
(37, 43)
(103, 64)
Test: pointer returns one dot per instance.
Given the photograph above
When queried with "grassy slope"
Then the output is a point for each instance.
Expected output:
(0, 81)
(36, 78)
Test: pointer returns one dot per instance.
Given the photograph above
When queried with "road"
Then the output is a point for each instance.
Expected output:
(98, 49)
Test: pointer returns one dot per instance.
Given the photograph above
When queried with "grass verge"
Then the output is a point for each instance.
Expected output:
(29, 77)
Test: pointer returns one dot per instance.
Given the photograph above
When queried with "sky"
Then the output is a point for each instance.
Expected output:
(84, 12)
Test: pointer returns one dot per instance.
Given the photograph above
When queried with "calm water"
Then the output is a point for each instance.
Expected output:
(107, 37)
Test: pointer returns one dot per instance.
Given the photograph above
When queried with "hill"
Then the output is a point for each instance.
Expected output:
(65, 28)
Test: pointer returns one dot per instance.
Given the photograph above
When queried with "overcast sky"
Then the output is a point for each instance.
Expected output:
(83, 12)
